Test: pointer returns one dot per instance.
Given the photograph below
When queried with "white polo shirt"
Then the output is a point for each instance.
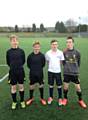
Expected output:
(53, 59)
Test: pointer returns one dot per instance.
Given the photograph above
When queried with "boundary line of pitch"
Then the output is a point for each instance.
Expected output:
(6, 75)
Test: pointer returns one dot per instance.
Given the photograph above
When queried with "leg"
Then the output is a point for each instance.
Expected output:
(78, 91)
(67, 80)
(9, 79)
(51, 91)
(59, 89)
(21, 91)
(13, 93)
(50, 99)
(59, 84)
(51, 86)
(41, 89)
(20, 78)
(65, 92)
(31, 91)
(76, 81)
(13, 82)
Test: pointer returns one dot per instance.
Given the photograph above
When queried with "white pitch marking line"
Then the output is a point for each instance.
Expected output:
(3, 65)
(3, 78)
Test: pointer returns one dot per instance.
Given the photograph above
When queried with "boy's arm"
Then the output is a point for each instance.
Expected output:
(79, 58)
(28, 61)
(43, 60)
(7, 59)
(23, 57)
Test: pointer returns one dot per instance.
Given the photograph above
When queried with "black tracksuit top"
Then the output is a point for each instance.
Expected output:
(15, 58)
(36, 62)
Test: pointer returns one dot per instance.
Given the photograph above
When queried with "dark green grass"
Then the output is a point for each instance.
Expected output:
(36, 111)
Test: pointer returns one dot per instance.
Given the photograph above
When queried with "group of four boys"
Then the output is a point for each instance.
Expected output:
(70, 58)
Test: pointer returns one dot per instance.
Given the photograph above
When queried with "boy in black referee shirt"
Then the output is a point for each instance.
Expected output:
(15, 58)
(36, 62)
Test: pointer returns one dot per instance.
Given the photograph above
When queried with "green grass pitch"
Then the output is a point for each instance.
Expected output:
(36, 111)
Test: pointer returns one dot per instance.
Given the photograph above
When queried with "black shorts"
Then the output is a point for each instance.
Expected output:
(71, 78)
(54, 76)
(36, 78)
(17, 76)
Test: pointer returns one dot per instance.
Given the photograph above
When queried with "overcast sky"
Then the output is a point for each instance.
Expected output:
(27, 12)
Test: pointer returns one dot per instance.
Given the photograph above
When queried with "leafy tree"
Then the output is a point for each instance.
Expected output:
(16, 28)
(82, 28)
(57, 26)
(33, 28)
(42, 28)
(60, 27)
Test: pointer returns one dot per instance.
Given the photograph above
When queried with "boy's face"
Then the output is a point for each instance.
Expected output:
(14, 43)
(36, 48)
(54, 46)
(70, 44)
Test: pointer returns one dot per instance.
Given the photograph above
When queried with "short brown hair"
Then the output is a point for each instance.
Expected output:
(36, 43)
(53, 41)
(70, 37)
(13, 36)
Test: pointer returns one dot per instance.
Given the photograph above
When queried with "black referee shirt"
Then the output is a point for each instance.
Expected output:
(15, 58)
(36, 62)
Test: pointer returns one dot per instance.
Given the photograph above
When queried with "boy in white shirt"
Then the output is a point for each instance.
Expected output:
(54, 58)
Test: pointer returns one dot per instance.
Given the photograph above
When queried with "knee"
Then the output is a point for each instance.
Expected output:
(66, 86)
(21, 87)
(32, 87)
(41, 86)
(13, 88)
(51, 86)
(78, 88)
(59, 86)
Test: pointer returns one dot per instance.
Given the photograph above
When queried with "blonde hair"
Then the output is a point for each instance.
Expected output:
(13, 36)
(36, 43)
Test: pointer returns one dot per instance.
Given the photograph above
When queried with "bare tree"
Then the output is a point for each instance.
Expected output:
(71, 25)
